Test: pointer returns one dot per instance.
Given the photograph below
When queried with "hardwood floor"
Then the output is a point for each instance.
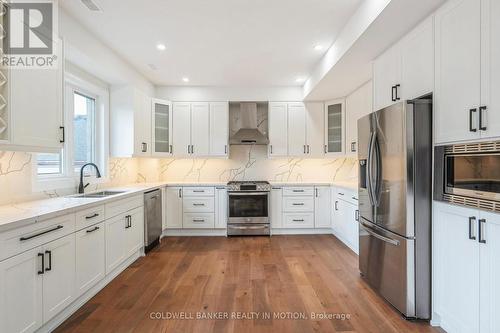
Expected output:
(284, 276)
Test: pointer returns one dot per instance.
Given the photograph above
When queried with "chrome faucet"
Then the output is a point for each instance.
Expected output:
(81, 187)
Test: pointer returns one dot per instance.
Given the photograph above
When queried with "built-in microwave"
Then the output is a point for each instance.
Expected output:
(468, 171)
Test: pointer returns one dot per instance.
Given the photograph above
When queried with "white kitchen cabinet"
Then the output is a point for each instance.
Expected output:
(115, 238)
(458, 71)
(181, 129)
(219, 129)
(276, 207)
(134, 239)
(296, 129)
(406, 70)
(490, 68)
(322, 204)
(161, 134)
(315, 124)
(490, 274)
(200, 130)
(35, 108)
(345, 217)
(386, 75)
(173, 209)
(130, 122)
(59, 276)
(278, 129)
(358, 104)
(221, 208)
(21, 289)
(334, 127)
(90, 257)
(456, 268)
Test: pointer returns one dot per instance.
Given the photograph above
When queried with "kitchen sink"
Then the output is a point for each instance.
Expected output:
(101, 194)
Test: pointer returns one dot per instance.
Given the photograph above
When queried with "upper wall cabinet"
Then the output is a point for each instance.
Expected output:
(200, 129)
(31, 108)
(406, 70)
(358, 104)
(161, 127)
(130, 123)
(295, 129)
(334, 128)
(467, 106)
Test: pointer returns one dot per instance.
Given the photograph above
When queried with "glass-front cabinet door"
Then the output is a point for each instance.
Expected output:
(334, 127)
(162, 127)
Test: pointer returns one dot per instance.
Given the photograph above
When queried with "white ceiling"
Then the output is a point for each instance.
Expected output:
(218, 42)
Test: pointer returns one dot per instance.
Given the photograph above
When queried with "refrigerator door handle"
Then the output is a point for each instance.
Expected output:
(378, 236)
(378, 172)
(371, 146)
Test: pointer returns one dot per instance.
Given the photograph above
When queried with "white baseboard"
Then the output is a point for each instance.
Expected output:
(307, 231)
(52, 324)
(194, 232)
(435, 320)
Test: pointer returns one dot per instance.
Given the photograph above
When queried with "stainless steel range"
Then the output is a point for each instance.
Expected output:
(248, 205)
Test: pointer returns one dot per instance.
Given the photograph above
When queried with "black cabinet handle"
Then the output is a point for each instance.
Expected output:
(63, 134)
(481, 110)
(298, 204)
(481, 230)
(356, 215)
(472, 220)
(129, 224)
(301, 220)
(396, 89)
(144, 147)
(170, 149)
(92, 230)
(91, 216)
(180, 193)
(353, 146)
(336, 205)
(471, 119)
(49, 267)
(308, 150)
(225, 149)
(392, 94)
(43, 263)
(41, 233)
(271, 149)
(325, 149)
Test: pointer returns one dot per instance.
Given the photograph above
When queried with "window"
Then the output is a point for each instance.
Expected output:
(85, 120)
(84, 130)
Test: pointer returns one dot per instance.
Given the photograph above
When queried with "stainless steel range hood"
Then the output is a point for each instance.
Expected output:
(249, 128)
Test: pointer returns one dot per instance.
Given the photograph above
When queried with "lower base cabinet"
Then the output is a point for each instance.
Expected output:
(90, 257)
(345, 219)
(466, 270)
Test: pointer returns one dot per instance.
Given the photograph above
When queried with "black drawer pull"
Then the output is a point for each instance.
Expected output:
(471, 120)
(91, 216)
(198, 220)
(298, 204)
(198, 204)
(481, 231)
(199, 191)
(41, 233)
(481, 118)
(49, 267)
(298, 190)
(301, 220)
(92, 230)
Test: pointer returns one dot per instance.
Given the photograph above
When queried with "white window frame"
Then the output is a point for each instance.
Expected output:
(70, 178)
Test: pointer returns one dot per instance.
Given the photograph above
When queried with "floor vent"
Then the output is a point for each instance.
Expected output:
(471, 202)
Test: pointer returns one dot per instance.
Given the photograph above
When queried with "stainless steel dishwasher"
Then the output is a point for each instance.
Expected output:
(152, 219)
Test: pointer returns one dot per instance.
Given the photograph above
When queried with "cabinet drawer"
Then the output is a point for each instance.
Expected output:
(198, 191)
(198, 205)
(298, 220)
(347, 195)
(90, 216)
(298, 204)
(22, 239)
(198, 221)
(298, 191)
(123, 205)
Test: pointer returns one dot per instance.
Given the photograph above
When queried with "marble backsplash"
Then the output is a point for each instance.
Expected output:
(244, 163)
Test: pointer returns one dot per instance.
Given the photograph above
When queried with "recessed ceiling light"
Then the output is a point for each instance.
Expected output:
(161, 46)
(318, 47)
(185, 79)
(300, 80)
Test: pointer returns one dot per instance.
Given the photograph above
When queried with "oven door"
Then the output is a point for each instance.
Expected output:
(473, 175)
(248, 207)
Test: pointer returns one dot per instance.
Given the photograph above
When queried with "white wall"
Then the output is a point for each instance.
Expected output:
(208, 94)
(93, 56)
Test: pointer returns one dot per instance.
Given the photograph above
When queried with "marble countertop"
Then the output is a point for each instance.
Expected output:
(20, 214)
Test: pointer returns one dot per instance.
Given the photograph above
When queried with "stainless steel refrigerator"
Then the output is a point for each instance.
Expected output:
(395, 189)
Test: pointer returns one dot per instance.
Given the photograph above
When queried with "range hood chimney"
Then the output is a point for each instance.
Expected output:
(248, 133)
